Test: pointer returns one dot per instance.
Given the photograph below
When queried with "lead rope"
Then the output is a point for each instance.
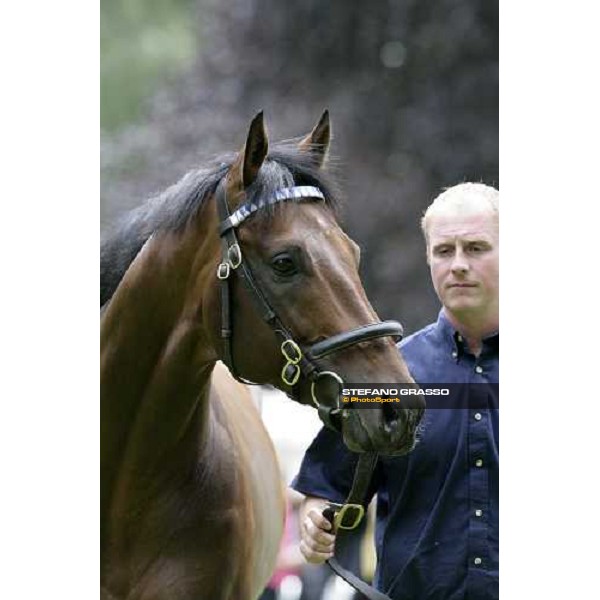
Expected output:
(347, 516)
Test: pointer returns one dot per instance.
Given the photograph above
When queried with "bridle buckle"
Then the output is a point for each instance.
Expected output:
(293, 355)
(292, 379)
(347, 516)
(234, 255)
(291, 351)
(223, 271)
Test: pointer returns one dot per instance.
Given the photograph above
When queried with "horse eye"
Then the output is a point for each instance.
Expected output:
(283, 264)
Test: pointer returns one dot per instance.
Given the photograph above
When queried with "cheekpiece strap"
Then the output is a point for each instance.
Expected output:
(298, 192)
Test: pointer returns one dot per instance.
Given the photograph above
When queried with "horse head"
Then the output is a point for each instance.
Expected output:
(287, 306)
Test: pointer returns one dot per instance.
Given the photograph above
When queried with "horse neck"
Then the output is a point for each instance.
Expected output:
(156, 359)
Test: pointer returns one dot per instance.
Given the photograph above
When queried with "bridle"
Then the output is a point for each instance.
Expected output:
(299, 361)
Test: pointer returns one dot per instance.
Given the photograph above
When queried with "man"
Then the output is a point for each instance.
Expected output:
(437, 509)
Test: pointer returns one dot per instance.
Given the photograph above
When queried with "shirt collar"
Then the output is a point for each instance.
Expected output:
(450, 337)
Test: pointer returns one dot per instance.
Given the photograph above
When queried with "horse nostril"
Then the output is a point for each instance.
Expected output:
(391, 415)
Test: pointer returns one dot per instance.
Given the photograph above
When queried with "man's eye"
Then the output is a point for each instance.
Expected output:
(476, 248)
(284, 265)
(443, 251)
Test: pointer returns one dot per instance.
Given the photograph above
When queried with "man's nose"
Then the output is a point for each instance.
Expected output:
(460, 263)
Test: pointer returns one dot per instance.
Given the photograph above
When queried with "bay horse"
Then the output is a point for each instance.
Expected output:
(242, 262)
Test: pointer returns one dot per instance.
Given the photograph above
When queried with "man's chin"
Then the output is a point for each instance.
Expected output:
(462, 304)
(466, 309)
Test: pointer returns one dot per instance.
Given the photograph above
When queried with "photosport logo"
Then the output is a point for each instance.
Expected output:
(373, 395)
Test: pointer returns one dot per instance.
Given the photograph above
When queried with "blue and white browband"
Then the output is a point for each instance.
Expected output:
(249, 208)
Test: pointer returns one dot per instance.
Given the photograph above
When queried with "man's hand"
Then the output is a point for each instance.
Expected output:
(317, 537)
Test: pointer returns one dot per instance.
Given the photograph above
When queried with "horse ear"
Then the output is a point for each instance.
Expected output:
(255, 150)
(317, 141)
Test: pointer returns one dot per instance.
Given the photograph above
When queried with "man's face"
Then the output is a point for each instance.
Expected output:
(463, 258)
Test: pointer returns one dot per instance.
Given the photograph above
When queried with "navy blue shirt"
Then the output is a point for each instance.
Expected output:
(437, 507)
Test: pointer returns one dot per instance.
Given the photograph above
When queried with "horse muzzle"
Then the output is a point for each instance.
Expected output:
(388, 431)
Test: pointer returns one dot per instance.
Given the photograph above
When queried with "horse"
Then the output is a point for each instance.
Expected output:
(241, 263)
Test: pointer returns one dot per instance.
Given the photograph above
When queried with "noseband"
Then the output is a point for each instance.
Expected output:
(298, 361)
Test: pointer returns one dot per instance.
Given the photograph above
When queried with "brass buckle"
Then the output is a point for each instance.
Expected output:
(223, 271)
(293, 360)
(234, 255)
(340, 515)
(293, 355)
(292, 381)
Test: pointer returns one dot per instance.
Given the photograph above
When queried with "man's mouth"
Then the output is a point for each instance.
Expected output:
(462, 285)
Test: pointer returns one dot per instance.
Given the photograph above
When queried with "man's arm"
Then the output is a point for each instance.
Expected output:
(327, 471)
(317, 538)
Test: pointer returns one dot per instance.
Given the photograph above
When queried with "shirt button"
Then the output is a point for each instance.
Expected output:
(477, 416)
(477, 561)
(478, 369)
(478, 512)
(479, 463)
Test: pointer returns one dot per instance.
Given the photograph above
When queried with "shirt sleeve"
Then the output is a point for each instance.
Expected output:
(327, 469)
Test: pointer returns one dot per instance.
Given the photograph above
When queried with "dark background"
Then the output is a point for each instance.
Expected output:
(411, 85)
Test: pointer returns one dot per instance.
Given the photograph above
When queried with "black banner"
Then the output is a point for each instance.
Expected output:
(435, 395)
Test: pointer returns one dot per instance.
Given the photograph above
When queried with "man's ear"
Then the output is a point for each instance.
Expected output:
(317, 141)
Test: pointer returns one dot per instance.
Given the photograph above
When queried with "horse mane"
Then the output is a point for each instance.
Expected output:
(285, 165)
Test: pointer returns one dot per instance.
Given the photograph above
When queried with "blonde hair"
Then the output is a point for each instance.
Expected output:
(462, 197)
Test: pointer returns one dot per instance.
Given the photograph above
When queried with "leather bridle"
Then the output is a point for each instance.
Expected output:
(299, 361)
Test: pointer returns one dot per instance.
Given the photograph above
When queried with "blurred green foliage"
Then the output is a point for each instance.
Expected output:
(142, 44)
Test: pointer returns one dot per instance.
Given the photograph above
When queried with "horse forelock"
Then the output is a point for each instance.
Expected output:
(171, 210)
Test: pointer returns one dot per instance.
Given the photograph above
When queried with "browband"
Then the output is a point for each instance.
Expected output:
(290, 193)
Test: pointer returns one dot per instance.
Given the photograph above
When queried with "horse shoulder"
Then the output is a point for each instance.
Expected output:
(261, 486)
